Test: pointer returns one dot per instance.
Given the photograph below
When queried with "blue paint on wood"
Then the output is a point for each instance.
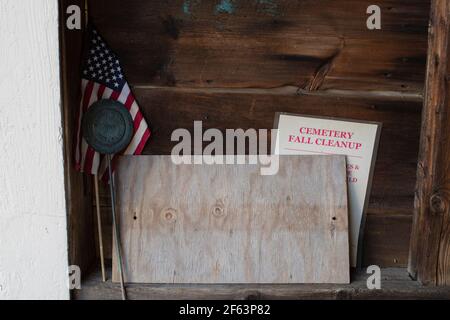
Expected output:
(187, 7)
(268, 6)
(225, 6)
(229, 6)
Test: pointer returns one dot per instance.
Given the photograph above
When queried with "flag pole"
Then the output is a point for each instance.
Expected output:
(96, 188)
(86, 13)
(99, 228)
(116, 228)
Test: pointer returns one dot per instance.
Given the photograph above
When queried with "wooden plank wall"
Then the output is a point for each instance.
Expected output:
(234, 66)
(81, 233)
(267, 44)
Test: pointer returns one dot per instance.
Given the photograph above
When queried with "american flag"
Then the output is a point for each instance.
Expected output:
(103, 78)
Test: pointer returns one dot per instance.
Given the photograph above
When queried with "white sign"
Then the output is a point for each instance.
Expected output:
(357, 140)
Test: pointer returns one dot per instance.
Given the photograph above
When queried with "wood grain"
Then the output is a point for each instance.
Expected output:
(386, 239)
(79, 201)
(395, 171)
(430, 240)
(396, 165)
(385, 244)
(258, 46)
(229, 224)
(396, 284)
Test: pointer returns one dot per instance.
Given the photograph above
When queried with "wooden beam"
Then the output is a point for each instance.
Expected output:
(78, 188)
(395, 285)
(430, 239)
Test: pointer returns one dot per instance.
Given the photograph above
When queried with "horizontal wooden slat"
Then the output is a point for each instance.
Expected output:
(268, 44)
(395, 284)
(386, 240)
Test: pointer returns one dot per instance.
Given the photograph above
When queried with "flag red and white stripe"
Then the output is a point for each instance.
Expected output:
(103, 79)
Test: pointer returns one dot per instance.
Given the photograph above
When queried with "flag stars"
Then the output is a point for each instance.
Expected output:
(102, 64)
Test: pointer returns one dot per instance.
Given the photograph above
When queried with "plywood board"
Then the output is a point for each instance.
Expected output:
(229, 224)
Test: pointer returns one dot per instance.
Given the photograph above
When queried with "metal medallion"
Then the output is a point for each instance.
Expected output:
(107, 127)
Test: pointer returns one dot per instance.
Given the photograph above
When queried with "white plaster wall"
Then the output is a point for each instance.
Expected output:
(33, 235)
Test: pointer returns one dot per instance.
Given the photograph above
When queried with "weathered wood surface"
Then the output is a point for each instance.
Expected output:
(395, 171)
(268, 44)
(163, 46)
(236, 70)
(79, 201)
(430, 240)
(395, 284)
(385, 243)
(229, 224)
(386, 239)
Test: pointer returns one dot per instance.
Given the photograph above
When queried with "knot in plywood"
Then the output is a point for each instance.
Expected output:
(218, 209)
(169, 215)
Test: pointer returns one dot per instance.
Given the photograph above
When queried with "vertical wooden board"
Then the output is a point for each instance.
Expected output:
(429, 260)
(81, 225)
(229, 224)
